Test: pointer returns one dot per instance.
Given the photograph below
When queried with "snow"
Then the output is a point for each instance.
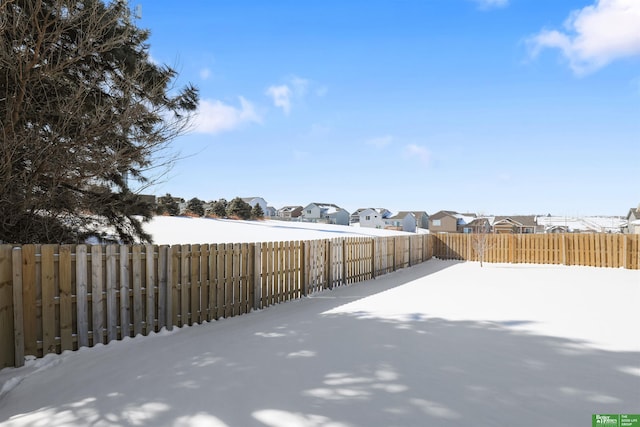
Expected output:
(178, 230)
(443, 343)
(592, 224)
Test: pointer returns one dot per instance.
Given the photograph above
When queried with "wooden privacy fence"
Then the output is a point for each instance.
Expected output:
(62, 297)
(594, 250)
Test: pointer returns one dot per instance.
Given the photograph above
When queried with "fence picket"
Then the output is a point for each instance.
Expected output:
(11, 314)
(125, 295)
(82, 300)
(111, 285)
(97, 297)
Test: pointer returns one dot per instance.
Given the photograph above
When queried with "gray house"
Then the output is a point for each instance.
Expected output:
(404, 221)
(633, 221)
(252, 201)
(326, 213)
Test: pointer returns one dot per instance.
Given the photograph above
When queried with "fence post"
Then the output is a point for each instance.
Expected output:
(564, 249)
(373, 257)
(257, 269)
(303, 269)
(329, 263)
(11, 329)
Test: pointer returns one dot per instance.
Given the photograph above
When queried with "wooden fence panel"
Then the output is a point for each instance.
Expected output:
(82, 296)
(163, 272)
(10, 285)
(111, 284)
(220, 275)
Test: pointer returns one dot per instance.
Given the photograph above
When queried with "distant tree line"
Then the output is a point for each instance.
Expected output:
(221, 208)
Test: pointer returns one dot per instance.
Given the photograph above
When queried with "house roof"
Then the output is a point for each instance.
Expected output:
(593, 224)
(325, 205)
(401, 215)
(635, 212)
(520, 220)
(289, 208)
(442, 214)
(478, 222)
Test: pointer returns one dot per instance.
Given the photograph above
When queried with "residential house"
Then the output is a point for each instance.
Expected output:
(270, 212)
(449, 221)
(370, 218)
(478, 225)
(591, 224)
(289, 212)
(633, 221)
(252, 201)
(443, 222)
(326, 213)
(382, 212)
(517, 224)
(402, 221)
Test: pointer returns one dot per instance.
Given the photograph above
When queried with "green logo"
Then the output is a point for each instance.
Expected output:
(615, 420)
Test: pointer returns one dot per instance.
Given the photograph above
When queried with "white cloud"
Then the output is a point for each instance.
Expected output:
(205, 73)
(419, 152)
(380, 142)
(214, 116)
(294, 90)
(281, 96)
(491, 4)
(595, 35)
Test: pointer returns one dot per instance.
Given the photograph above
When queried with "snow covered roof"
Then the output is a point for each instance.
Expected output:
(593, 224)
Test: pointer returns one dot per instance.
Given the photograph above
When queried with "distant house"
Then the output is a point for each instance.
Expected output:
(370, 218)
(381, 212)
(633, 221)
(590, 224)
(478, 225)
(289, 212)
(252, 201)
(402, 221)
(517, 224)
(449, 221)
(443, 222)
(326, 213)
(270, 212)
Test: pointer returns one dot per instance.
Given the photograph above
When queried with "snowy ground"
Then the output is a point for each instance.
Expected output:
(177, 230)
(440, 344)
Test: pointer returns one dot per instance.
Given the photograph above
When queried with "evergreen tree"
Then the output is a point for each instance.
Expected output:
(219, 208)
(167, 204)
(256, 212)
(196, 206)
(83, 109)
(239, 208)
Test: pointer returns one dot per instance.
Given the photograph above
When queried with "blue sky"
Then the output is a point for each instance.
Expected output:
(494, 106)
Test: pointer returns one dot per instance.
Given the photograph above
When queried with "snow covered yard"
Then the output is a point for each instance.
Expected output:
(442, 343)
(169, 230)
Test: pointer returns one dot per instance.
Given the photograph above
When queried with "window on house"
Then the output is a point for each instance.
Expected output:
(466, 230)
(368, 218)
(436, 223)
(308, 211)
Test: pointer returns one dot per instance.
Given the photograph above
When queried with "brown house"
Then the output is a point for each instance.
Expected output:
(478, 225)
(289, 212)
(443, 222)
(519, 224)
